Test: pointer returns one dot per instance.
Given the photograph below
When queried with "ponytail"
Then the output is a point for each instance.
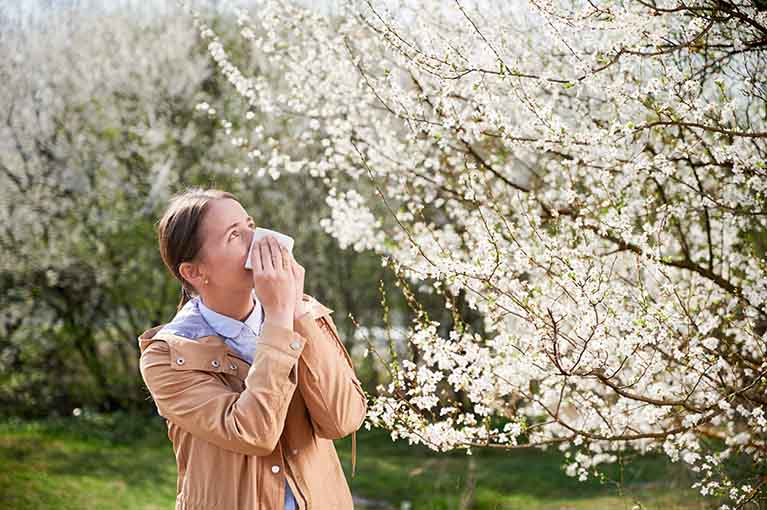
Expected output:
(185, 297)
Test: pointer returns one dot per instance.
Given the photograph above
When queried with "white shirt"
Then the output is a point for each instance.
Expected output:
(241, 336)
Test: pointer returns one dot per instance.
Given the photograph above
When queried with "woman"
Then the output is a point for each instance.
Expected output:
(250, 375)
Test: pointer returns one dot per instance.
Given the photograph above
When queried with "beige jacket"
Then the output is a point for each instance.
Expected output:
(238, 429)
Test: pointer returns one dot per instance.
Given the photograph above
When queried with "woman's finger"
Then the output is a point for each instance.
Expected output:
(285, 258)
(296, 268)
(266, 257)
(255, 259)
(276, 253)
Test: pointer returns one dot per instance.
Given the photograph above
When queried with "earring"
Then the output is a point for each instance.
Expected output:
(206, 281)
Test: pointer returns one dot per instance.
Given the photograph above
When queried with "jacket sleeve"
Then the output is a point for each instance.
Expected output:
(328, 384)
(250, 422)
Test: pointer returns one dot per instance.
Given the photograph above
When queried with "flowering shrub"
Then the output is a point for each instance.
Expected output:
(588, 176)
(97, 128)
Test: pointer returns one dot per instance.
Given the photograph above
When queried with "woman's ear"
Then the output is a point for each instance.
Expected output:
(191, 273)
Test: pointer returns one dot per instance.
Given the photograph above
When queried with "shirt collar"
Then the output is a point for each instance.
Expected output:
(229, 327)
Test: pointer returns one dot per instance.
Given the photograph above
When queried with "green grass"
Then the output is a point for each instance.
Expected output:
(120, 461)
(86, 464)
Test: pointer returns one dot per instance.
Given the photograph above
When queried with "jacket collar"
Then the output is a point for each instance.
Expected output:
(207, 353)
(206, 349)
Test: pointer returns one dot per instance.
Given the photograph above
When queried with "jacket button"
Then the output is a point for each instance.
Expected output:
(180, 361)
(275, 469)
(295, 345)
(215, 363)
(294, 451)
(232, 366)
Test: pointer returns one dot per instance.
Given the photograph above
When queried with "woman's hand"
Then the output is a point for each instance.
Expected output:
(274, 281)
(298, 277)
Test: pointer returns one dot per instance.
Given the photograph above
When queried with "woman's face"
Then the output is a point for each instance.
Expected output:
(226, 232)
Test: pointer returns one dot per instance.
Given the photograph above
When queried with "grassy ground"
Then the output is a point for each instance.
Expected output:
(119, 461)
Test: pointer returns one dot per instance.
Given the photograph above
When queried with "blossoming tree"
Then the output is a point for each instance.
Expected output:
(588, 176)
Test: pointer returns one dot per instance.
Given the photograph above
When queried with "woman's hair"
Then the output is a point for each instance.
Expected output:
(178, 231)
